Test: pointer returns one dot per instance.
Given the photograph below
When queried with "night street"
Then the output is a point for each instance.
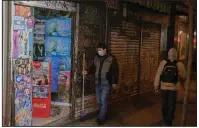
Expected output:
(146, 111)
(99, 63)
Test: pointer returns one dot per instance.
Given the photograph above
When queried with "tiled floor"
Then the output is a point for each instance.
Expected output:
(145, 110)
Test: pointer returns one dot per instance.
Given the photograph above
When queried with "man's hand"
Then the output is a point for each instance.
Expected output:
(156, 88)
(115, 86)
(84, 72)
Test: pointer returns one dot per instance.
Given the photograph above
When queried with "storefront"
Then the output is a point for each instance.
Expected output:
(47, 41)
(43, 34)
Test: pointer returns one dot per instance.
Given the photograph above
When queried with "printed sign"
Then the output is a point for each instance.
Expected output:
(19, 23)
(41, 108)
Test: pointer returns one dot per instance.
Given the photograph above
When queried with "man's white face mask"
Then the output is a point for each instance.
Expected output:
(101, 53)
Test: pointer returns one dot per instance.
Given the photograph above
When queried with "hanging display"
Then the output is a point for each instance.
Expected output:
(39, 42)
(40, 80)
(59, 27)
(58, 46)
(59, 63)
(58, 49)
(41, 88)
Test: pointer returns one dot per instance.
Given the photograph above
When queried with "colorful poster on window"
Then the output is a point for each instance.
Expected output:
(64, 86)
(22, 65)
(64, 63)
(22, 11)
(39, 42)
(23, 100)
(41, 89)
(59, 63)
(21, 44)
(58, 46)
(55, 71)
(39, 51)
(59, 27)
(41, 79)
(30, 43)
(23, 88)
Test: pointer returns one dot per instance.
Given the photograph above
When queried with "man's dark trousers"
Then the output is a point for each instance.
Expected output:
(168, 106)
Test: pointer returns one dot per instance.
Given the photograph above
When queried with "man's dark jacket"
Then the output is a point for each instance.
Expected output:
(105, 69)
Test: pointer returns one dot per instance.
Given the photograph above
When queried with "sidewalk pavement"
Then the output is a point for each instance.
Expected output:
(145, 110)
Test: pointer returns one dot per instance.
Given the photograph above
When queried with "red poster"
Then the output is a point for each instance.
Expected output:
(22, 11)
(41, 89)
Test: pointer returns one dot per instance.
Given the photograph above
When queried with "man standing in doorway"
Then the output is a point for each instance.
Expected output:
(170, 71)
(105, 68)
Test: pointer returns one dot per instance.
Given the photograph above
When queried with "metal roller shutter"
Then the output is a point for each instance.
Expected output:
(124, 45)
(149, 55)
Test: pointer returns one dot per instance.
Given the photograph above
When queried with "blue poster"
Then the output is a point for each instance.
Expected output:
(30, 43)
(64, 63)
(58, 46)
(55, 71)
(59, 63)
(59, 27)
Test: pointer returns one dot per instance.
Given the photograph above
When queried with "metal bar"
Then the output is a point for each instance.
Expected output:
(139, 64)
(6, 93)
(75, 59)
(10, 65)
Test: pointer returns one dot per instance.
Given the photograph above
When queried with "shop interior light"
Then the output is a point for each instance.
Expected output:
(181, 32)
(194, 40)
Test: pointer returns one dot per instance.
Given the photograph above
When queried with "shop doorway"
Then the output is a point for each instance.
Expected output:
(41, 56)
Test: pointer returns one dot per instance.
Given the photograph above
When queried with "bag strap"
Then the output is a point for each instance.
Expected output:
(168, 61)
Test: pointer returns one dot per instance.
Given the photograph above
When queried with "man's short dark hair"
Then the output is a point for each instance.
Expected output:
(102, 45)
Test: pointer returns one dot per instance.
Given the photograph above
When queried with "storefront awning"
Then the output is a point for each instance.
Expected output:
(153, 4)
